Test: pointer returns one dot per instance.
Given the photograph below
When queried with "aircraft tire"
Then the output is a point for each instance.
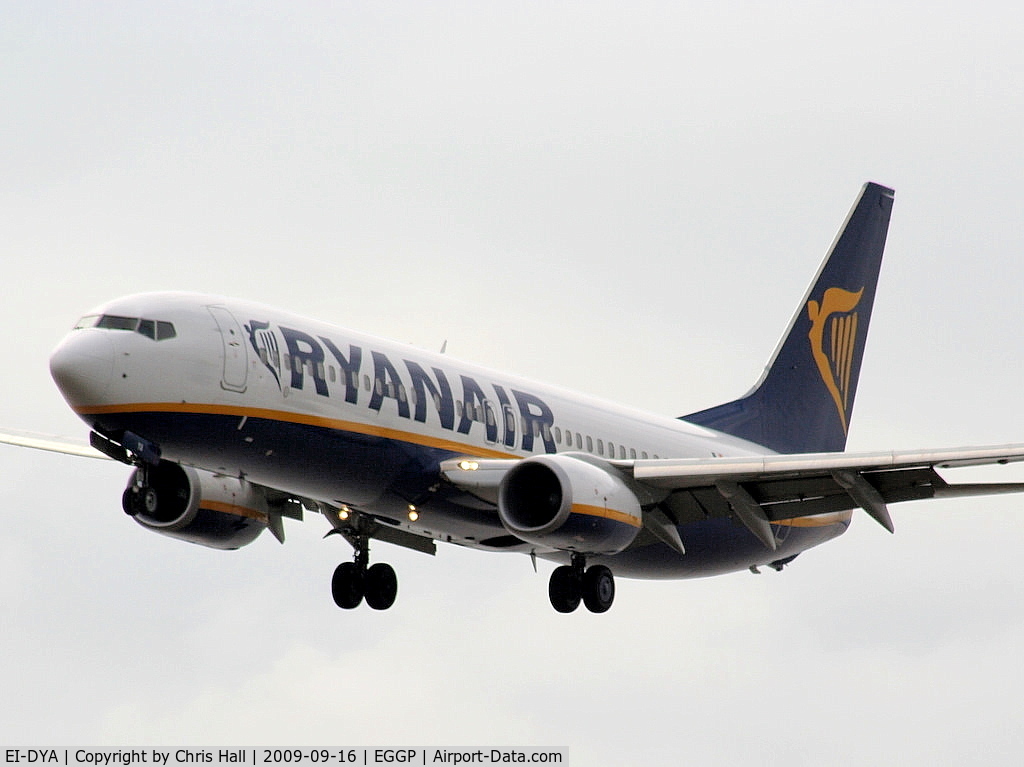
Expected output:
(598, 589)
(347, 586)
(130, 502)
(138, 500)
(380, 586)
(564, 589)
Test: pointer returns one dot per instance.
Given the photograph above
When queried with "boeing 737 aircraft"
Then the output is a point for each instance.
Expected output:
(235, 415)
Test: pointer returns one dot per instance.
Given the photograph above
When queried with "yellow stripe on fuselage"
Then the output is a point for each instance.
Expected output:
(305, 419)
(601, 511)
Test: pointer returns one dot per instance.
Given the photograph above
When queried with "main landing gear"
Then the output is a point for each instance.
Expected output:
(142, 496)
(569, 584)
(355, 581)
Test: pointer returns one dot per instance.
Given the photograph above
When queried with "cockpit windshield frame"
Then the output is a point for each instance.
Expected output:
(158, 330)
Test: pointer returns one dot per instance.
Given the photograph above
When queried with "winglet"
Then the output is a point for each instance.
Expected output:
(804, 401)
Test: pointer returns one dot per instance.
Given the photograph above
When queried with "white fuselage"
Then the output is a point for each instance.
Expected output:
(344, 418)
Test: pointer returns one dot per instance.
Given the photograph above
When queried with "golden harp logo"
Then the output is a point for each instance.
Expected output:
(833, 340)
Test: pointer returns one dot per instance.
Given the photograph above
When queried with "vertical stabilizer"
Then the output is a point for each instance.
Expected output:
(804, 401)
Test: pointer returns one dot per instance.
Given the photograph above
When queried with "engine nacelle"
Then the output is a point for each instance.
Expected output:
(199, 507)
(562, 502)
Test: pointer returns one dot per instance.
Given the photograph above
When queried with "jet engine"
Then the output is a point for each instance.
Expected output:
(196, 506)
(562, 502)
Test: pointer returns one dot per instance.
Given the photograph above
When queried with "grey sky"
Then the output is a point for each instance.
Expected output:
(625, 199)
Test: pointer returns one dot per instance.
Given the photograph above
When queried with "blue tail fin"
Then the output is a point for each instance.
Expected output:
(803, 402)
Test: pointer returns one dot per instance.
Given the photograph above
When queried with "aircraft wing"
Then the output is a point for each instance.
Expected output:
(761, 490)
(50, 444)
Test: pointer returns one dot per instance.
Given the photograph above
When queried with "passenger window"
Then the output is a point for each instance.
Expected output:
(600, 447)
(590, 445)
(632, 453)
(510, 424)
(611, 450)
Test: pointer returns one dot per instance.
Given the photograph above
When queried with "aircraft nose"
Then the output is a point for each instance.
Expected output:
(82, 366)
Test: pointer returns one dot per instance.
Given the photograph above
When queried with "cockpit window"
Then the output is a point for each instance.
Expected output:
(115, 322)
(147, 328)
(158, 330)
(88, 321)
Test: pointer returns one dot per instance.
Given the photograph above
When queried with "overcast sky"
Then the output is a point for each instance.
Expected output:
(627, 199)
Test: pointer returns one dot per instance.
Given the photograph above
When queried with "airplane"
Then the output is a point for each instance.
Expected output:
(234, 416)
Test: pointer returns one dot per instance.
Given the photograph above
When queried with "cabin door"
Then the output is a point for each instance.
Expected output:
(236, 360)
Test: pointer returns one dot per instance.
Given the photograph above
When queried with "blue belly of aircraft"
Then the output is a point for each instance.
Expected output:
(383, 476)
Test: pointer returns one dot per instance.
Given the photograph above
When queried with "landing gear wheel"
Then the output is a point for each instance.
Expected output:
(564, 589)
(347, 586)
(130, 503)
(380, 585)
(598, 589)
(136, 500)
(150, 500)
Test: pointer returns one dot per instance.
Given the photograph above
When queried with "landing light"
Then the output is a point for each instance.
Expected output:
(343, 513)
(469, 465)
